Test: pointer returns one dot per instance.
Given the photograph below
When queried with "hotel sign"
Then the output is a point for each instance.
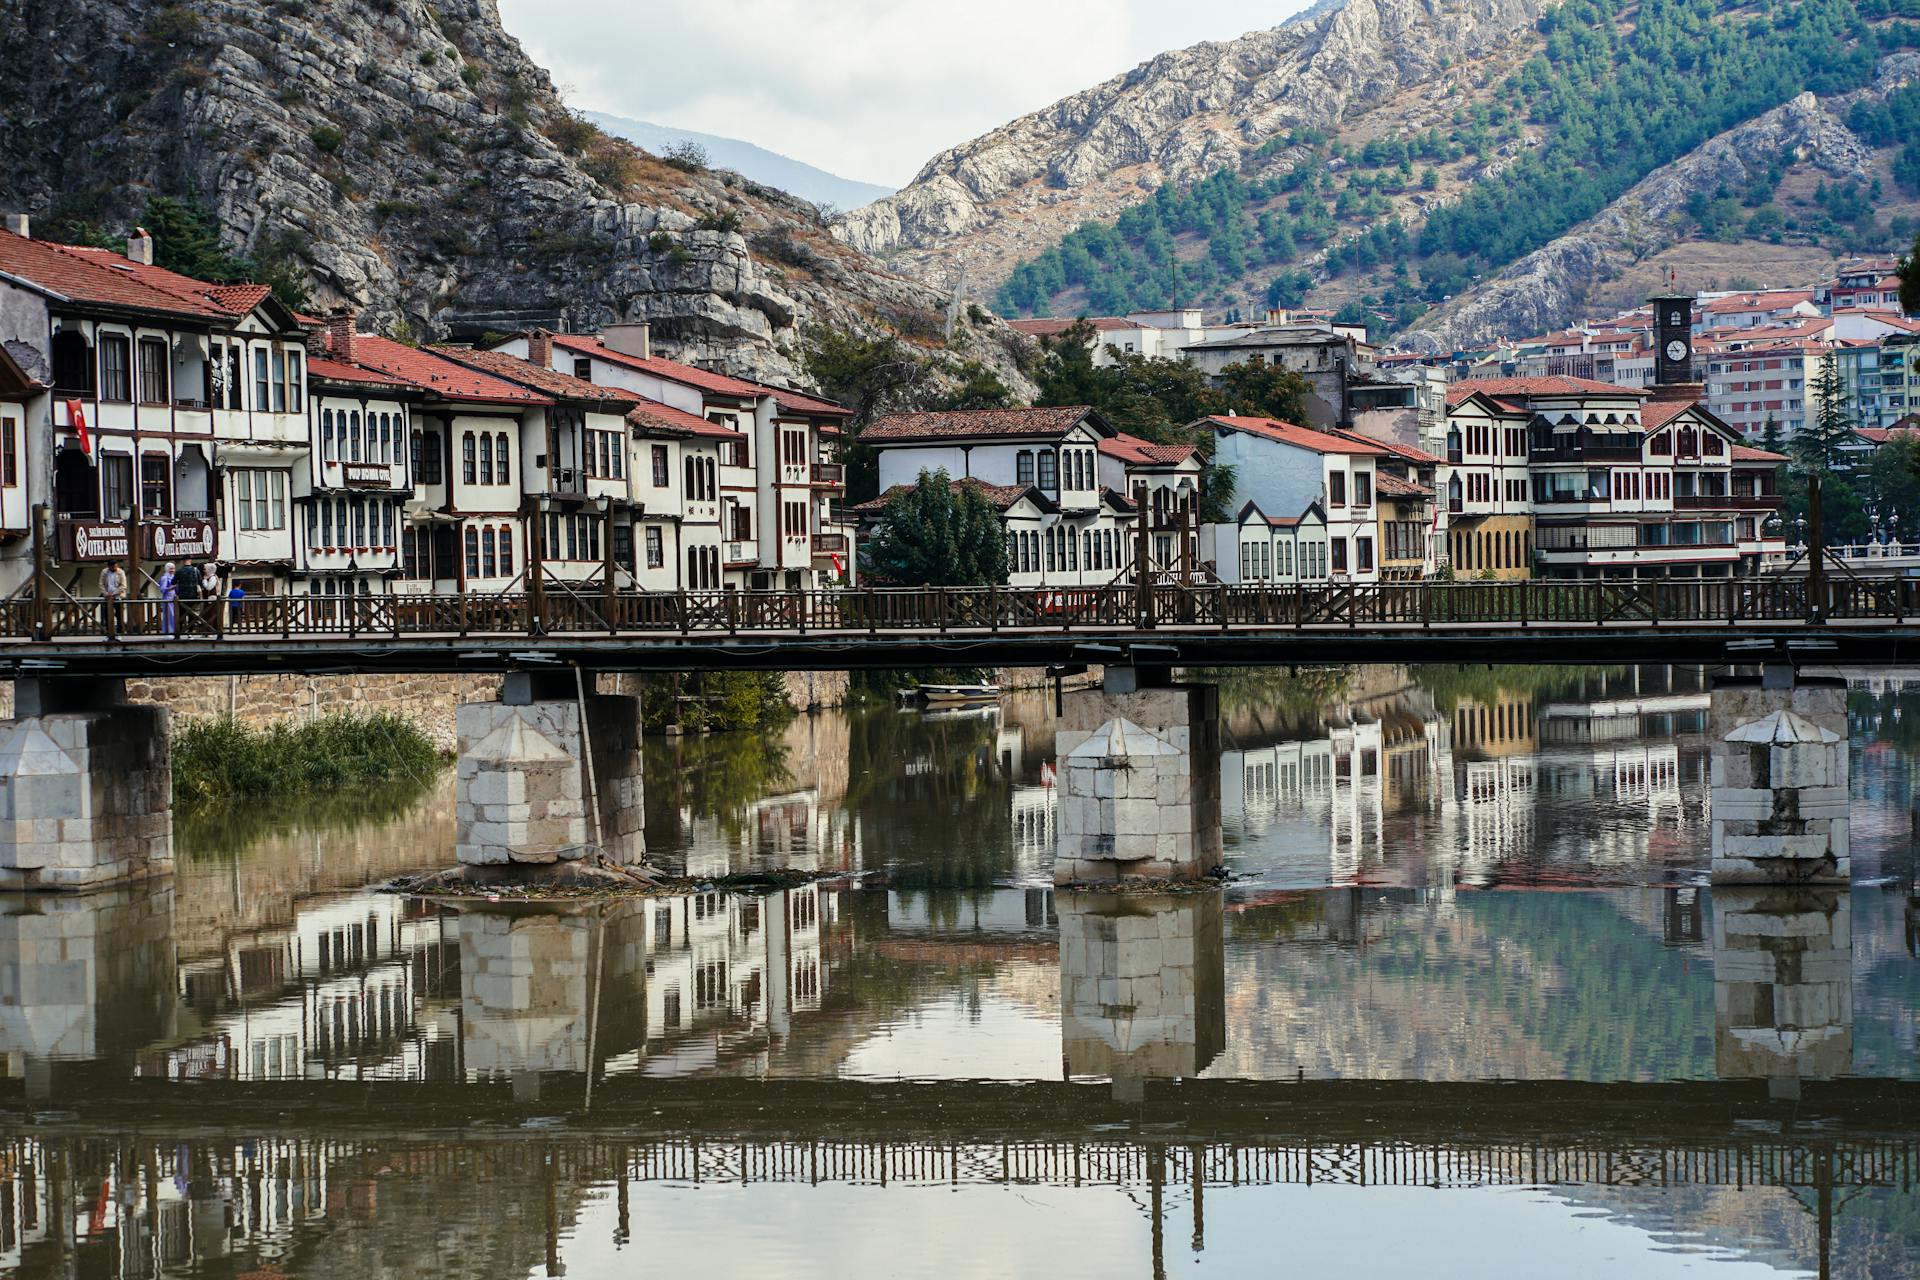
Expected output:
(368, 475)
(92, 540)
(181, 539)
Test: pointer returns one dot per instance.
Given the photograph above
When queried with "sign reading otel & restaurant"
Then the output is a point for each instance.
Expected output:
(368, 475)
(181, 539)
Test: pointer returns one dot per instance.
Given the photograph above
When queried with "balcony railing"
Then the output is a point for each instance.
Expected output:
(829, 544)
(1727, 502)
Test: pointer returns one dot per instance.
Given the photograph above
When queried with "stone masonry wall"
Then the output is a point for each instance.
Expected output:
(428, 701)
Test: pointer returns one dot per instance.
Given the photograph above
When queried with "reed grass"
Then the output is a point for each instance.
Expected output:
(222, 760)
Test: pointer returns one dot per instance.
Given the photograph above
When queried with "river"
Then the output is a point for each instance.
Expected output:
(1466, 1006)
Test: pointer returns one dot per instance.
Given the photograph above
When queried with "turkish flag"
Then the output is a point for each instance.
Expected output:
(77, 415)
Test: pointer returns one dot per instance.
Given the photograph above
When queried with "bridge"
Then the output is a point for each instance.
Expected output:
(1750, 620)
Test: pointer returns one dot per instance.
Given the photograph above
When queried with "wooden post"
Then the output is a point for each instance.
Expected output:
(536, 571)
(40, 571)
(130, 592)
(612, 592)
(1817, 553)
(1142, 562)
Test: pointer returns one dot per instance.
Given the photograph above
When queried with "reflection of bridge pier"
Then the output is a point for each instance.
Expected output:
(86, 787)
(545, 990)
(86, 976)
(1782, 984)
(1780, 775)
(1139, 780)
(1142, 985)
(522, 793)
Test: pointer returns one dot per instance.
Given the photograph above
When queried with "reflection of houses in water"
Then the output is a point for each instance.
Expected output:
(338, 993)
(725, 975)
(1036, 832)
(998, 911)
(793, 830)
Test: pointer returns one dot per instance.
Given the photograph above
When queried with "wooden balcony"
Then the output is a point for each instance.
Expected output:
(825, 544)
(829, 475)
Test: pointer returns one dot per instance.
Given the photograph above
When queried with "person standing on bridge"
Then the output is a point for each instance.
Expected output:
(113, 585)
(215, 595)
(169, 585)
(187, 584)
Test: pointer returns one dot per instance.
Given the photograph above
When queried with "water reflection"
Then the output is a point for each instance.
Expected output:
(1470, 984)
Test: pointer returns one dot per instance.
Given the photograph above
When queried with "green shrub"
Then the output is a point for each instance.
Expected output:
(223, 760)
(327, 137)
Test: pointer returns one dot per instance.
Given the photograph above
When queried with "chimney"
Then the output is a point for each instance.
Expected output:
(19, 224)
(540, 348)
(140, 247)
(340, 335)
(630, 339)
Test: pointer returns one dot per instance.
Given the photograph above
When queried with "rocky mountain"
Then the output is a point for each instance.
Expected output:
(1553, 284)
(413, 162)
(769, 168)
(980, 207)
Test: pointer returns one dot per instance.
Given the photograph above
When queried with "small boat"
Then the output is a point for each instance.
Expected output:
(959, 695)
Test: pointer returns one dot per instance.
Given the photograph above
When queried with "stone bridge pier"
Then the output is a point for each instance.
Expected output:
(1782, 984)
(1142, 985)
(1138, 772)
(524, 793)
(1779, 775)
(86, 787)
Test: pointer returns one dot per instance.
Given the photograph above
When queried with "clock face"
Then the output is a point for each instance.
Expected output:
(1676, 350)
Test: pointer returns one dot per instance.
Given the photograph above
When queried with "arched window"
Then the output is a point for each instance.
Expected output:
(473, 552)
(353, 436)
(489, 558)
(486, 458)
(712, 489)
(693, 564)
(467, 472)
(72, 362)
(500, 459)
(386, 438)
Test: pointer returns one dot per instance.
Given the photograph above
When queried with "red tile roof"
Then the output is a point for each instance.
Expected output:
(591, 344)
(1001, 496)
(1394, 447)
(652, 415)
(1145, 453)
(322, 369)
(1527, 388)
(230, 299)
(437, 374)
(1394, 487)
(1301, 437)
(1658, 413)
(800, 403)
(561, 386)
(97, 277)
(1747, 453)
(976, 424)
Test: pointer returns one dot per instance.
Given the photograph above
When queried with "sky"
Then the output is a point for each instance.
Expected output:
(866, 89)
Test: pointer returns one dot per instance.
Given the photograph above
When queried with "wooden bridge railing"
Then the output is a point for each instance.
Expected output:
(1118, 607)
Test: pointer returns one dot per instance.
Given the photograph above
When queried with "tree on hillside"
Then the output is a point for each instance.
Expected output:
(186, 238)
(1910, 280)
(938, 534)
(1817, 447)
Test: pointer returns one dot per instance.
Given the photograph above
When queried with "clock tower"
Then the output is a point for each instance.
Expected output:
(1672, 339)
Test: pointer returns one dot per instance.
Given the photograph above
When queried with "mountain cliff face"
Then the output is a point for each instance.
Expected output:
(412, 159)
(1177, 118)
(1551, 285)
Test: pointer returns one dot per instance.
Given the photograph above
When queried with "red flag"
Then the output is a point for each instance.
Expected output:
(77, 415)
(837, 566)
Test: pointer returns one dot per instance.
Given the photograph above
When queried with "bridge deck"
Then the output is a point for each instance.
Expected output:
(1861, 620)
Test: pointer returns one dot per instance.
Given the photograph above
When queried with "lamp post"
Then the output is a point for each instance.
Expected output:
(1817, 549)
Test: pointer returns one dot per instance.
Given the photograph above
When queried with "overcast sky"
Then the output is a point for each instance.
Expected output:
(867, 89)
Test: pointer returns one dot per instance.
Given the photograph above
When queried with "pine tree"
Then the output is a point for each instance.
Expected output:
(1818, 445)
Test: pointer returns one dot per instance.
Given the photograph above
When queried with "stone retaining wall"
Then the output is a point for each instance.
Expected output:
(427, 701)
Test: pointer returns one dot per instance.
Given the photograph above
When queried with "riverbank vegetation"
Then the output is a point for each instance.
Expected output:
(222, 760)
(714, 701)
